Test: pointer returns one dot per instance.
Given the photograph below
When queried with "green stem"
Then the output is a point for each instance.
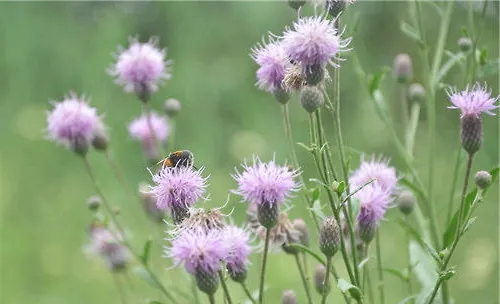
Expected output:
(326, 289)
(408, 239)
(411, 130)
(122, 232)
(119, 288)
(263, 269)
(224, 287)
(293, 154)
(380, 271)
(333, 271)
(247, 292)
(211, 298)
(454, 179)
(303, 277)
(371, 296)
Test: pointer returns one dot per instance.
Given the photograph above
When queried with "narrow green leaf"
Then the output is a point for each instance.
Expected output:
(396, 273)
(363, 262)
(306, 147)
(483, 57)
(374, 83)
(469, 224)
(451, 229)
(302, 248)
(410, 32)
(347, 287)
(315, 194)
(317, 209)
(454, 59)
(146, 251)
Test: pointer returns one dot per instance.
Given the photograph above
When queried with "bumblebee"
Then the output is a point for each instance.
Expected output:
(176, 159)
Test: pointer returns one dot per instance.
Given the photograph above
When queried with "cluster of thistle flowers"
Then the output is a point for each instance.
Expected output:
(73, 123)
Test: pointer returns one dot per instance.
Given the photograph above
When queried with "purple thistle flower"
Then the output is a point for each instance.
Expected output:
(473, 101)
(379, 169)
(178, 187)
(273, 63)
(140, 130)
(236, 240)
(313, 40)
(374, 201)
(73, 122)
(106, 245)
(199, 250)
(265, 183)
(141, 67)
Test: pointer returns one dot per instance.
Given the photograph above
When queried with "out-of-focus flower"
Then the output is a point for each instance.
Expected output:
(374, 201)
(73, 123)
(150, 131)
(402, 68)
(106, 245)
(172, 107)
(149, 205)
(237, 243)
(384, 175)
(141, 68)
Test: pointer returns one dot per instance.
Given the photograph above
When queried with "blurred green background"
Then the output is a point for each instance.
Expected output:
(50, 49)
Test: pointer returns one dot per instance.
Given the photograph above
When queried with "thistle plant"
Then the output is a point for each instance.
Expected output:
(349, 196)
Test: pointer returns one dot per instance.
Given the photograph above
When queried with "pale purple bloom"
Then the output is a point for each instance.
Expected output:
(374, 201)
(178, 187)
(313, 40)
(384, 175)
(141, 67)
(236, 240)
(199, 250)
(273, 63)
(473, 101)
(106, 245)
(72, 121)
(148, 133)
(262, 183)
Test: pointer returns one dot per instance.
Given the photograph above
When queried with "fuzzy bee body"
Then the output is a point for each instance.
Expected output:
(181, 158)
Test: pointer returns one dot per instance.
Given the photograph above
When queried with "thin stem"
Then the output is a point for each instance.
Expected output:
(122, 232)
(211, 298)
(263, 269)
(333, 271)
(408, 239)
(380, 271)
(247, 292)
(293, 154)
(303, 277)
(454, 179)
(119, 288)
(404, 106)
(412, 127)
(326, 283)
(371, 295)
(224, 287)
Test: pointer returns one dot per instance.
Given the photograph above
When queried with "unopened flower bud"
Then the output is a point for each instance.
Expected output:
(319, 280)
(238, 276)
(471, 132)
(314, 74)
(172, 107)
(207, 282)
(416, 93)
(301, 227)
(366, 230)
(116, 256)
(311, 98)
(483, 179)
(406, 202)
(402, 68)
(296, 4)
(100, 141)
(268, 214)
(464, 44)
(142, 91)
(282, 96)
(334, 7)
(80, 146)
(289, 297)
(329, 236)
(94, 202)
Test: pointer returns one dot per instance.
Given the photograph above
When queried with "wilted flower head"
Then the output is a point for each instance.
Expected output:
(374, 201)
(283, 233)
(379, 170)
(273, 63)
(199, 250)
(147, 133)
(106, 245)
(237, 242)
(141, 67)
(205, 220)
(265, 183)
(313, 40)
(473, 101)
(178, 187)
(73, 123)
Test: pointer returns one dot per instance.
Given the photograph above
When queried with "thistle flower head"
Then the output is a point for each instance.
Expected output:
(72, 122)
(384, 175)
(237, 242)
(148, 132)
(283, 233)
(205, 220)
(199, 251)
(178, 187)
(473, 101)
(374, 201)
(273, 63)
(313, 40)
(265, 183)
(106, 245)
(141, 67)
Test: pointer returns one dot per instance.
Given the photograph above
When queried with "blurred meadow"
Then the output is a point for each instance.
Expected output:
(52, 48)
